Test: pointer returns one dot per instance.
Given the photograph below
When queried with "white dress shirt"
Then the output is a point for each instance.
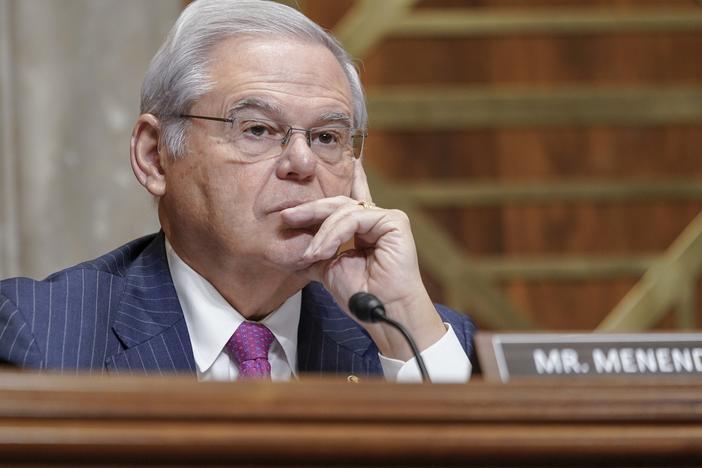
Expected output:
(211, 321)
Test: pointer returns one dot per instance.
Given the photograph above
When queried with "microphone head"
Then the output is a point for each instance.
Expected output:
(366, 307)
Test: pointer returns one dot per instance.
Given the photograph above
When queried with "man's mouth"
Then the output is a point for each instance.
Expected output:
(308, 229)
(284, 205)
(294, 232)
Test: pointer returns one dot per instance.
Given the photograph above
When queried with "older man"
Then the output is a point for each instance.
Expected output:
(250, 138)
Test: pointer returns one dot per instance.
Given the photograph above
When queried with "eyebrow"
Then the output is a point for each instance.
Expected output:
(255, 103)
(336, 117)
(272, 109)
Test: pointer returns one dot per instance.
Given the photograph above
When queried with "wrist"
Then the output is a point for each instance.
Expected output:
(419, 316)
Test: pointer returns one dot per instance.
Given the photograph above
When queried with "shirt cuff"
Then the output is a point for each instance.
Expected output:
(445, 360)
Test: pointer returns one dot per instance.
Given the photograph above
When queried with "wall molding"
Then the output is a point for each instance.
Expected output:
(9, 227)
(557, 21)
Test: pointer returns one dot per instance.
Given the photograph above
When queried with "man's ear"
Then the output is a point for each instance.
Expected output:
(147, 155)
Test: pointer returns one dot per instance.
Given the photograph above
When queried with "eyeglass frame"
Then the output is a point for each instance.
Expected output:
(288, 134)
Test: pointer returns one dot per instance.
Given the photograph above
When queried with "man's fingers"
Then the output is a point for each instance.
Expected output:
(359, 188)
(330, 227)
(367, 225)
(314, 212)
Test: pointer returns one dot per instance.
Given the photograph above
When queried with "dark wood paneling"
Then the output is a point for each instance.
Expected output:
(324, 12)
(568, 305)
(603, 153)
(596, 229)
(538, 60)
(546, 154)
(597, 153)
(567, 228)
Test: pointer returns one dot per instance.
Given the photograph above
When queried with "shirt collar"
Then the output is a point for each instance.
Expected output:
(211, 320)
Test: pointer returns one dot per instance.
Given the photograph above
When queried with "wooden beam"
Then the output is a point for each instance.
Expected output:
(367, 22)
(662, 286)
(686, 309)
(422, 108)
(562, 268)
(474, 22)
(462, 193)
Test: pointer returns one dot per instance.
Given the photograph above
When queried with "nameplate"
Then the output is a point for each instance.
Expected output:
(505, 356)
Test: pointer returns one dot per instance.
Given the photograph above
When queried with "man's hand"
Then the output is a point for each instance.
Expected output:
(383, 262)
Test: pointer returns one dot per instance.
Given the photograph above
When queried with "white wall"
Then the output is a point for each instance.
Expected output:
(70, 74)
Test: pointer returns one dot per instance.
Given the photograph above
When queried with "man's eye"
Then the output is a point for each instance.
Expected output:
(327, 138)
(257, 130)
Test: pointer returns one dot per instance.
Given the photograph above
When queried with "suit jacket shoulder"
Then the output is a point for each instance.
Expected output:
(71, 320)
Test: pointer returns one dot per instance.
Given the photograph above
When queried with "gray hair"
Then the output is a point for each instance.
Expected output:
(178, 74)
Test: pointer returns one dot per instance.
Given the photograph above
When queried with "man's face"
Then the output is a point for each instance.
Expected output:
(225, 207)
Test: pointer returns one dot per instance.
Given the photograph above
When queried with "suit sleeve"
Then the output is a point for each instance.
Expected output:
(465, 331)
(17, 344)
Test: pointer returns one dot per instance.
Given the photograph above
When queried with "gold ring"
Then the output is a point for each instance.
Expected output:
(366, 204)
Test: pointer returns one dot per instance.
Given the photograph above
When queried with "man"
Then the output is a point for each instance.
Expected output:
(250, 138)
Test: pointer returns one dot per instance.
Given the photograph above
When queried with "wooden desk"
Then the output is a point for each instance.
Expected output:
(48, 419)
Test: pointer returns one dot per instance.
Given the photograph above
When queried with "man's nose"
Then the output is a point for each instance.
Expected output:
(297, 162)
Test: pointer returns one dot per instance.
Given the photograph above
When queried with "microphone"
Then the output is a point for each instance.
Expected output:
(368, 308)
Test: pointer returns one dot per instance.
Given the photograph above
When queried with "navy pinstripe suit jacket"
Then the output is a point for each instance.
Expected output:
(120, 313)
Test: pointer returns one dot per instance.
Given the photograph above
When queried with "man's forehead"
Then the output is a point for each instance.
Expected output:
(281, 78)
(238, 60)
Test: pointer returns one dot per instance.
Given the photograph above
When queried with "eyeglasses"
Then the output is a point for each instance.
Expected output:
(258, 139)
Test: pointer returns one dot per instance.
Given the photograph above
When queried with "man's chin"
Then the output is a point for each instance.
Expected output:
(291, 244)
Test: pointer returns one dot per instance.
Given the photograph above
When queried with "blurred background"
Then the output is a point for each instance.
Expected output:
(547, 151)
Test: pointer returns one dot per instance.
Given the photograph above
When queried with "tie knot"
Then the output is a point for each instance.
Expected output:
(249, 346)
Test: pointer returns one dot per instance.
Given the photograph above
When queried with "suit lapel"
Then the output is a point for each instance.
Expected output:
(149, 322)
(329, 342)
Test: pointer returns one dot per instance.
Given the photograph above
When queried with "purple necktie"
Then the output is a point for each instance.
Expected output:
(249, 347)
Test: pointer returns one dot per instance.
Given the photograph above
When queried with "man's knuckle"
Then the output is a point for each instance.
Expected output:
(400, 216)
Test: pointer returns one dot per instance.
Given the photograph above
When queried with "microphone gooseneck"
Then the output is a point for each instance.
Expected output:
(368, 308)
